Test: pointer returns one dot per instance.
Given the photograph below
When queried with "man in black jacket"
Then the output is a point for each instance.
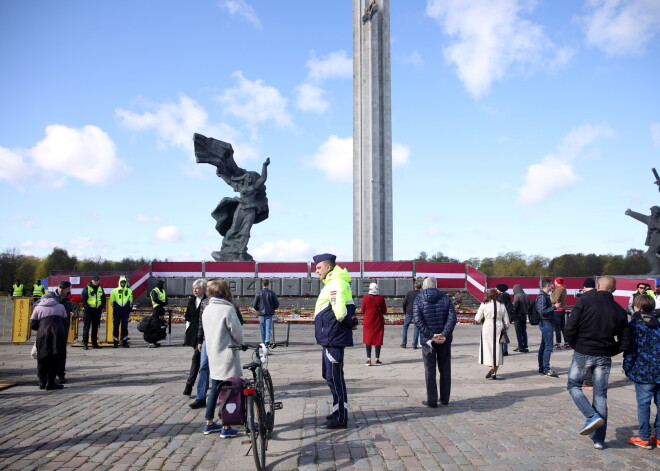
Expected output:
(435, 316)
(596, 330)
(265, 302)
(408, 302)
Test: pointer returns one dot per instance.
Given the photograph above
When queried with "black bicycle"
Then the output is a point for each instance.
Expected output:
(260, 400)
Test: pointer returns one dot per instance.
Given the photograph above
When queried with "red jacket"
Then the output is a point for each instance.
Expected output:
(373, 328)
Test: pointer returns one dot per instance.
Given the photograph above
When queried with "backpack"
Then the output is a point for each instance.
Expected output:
(533, 314)
(231, 404)
(143, 324)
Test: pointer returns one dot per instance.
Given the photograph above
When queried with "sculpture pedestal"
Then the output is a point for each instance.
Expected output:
(231, 256)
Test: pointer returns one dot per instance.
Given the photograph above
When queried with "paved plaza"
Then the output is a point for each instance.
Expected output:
(123, 409)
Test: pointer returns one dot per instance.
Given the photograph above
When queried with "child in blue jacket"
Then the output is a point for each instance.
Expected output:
(642, 365)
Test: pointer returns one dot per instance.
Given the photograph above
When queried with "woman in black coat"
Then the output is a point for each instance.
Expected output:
(50, 320)
(193, 314)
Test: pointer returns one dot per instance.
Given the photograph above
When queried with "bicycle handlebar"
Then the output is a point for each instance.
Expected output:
(257, 346)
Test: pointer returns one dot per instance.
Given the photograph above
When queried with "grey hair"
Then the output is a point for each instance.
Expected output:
(429, 282)
(201, 282)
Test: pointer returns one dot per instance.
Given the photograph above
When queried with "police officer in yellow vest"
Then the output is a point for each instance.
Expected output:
(93, 303)
(38, 290)
(121, 299)
(158, 295)
(17, 289)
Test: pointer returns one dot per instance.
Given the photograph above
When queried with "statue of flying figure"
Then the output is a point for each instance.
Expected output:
(234, 216)
(653, 231)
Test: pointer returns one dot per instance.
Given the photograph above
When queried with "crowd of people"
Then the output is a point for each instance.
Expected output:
(596, 329)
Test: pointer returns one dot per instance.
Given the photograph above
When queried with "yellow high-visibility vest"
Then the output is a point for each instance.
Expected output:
(37, 290)
(94, 300)
(18, 290)
(161, 295)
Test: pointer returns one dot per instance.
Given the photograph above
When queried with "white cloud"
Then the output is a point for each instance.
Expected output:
(622, 26)
(655, 133)
(283, 250)
(85, 243)
(334, 65)
(40, 244)
(242, 9)
(168, 234)
(491, 39)
(310, 98)
(255, 102)
(414, 58)
(175, 123)
(24, 222)
(87, 154)
(555, 171)
(335, 158)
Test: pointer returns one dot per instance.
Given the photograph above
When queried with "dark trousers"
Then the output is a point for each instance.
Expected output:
(92, 317)
(332, 371)
(558, 320)
(61, 366)
(438, 356)
(48, 367)
(120, 318)
(194, 368)
(521, 331)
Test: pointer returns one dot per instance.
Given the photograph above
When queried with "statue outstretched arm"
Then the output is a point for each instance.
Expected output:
(639, 216)
(264, 173)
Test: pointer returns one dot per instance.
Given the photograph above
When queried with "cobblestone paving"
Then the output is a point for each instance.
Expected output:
(123, 410)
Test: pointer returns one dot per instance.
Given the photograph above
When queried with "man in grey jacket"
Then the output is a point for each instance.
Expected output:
(265, 302)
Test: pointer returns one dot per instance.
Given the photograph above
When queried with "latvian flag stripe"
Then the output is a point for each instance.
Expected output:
(228, 274)
(388, 274)
(176, 274)
(457, 276)
(283, 270)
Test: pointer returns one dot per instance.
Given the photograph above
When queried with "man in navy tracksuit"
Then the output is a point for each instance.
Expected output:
(334, 321)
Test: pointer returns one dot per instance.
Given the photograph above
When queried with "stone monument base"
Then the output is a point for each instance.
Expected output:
(230, 256)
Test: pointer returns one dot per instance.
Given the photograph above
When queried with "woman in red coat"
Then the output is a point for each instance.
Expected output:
(373, 325)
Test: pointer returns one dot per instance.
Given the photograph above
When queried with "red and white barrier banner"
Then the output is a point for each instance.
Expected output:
(138, 280)
(529, 284)
(448, 275)
(176, 269)
(354, 269)
(476, 283)
(230, 269)
(78, 283)
(282, 270)
(388, 270)
(625, 287)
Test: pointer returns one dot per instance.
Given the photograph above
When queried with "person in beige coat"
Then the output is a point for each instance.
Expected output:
(493, 316)
(221, 329)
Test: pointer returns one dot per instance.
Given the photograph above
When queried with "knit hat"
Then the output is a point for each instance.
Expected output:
(373, 287)
(559, 281)
(589, 283)
(502, 287)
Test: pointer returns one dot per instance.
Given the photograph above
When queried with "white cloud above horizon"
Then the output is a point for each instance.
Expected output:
(256, 103)
(334, 158)
(283, 250)
(310, 98)
(168, 234)
(336, 64)
(491, 40)
(243, 10)
(620, 27)
(87, 154)
(555, 172)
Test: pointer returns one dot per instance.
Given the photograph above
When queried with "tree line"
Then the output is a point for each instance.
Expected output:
(568, 265)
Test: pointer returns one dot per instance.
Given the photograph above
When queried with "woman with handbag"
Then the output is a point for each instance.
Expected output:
(493, 316)
(373, 324)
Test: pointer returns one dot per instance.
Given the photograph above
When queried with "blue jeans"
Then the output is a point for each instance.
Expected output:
(203, 377)
(266, 326)
(645, 393)
(600, 367)
(404, 337)
(213, 399)
(521, 331)
(545, 349)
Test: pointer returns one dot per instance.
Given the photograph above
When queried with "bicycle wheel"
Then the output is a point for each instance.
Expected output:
(257, 431)
(269, 403)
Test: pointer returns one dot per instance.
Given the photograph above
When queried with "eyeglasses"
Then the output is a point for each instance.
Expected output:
(641, 287)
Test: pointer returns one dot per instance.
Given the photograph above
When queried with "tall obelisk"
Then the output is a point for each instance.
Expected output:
(372, 132)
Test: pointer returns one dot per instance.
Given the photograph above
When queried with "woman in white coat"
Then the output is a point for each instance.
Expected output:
(221, 329)
(493, 317)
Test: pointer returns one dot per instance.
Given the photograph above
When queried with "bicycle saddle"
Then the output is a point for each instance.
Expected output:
(250, 366)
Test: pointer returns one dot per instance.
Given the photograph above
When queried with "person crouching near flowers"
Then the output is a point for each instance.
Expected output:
(222, 328)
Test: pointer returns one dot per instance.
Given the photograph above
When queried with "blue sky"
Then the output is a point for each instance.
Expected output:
(518, 125)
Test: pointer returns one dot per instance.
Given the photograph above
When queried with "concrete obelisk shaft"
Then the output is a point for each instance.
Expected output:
(372, 132)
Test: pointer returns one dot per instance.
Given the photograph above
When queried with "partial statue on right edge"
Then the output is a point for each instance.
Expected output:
(653, 232)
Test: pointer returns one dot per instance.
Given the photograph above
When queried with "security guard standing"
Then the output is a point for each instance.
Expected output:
(38, 291)
(158, 295)
(93, 302)
(334, 322)
(121, 299)
(17, 289)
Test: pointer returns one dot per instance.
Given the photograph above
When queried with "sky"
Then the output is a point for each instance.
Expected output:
(517, 125)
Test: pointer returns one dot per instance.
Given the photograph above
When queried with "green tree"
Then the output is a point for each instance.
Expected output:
(59, 259)
(10, 261)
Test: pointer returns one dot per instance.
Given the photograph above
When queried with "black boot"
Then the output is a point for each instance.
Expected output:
(53, 385)
(42, 385)
(85, 347)
(115, 344)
